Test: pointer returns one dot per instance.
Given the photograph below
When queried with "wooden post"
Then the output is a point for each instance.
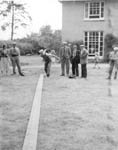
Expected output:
(12, 24)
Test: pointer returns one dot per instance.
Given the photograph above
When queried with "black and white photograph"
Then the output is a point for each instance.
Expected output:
(58, 74)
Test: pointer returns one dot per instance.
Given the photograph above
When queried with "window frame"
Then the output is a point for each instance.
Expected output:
(86, 34)
(87, 11)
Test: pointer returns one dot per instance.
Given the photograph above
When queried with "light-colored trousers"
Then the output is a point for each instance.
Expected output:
(4, 66)
(65, 65)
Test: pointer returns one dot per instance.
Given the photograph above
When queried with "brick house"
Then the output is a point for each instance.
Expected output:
(90, 21)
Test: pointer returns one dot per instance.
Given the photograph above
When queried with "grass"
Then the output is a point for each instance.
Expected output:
(76, 114)
(31, 60)
(79, 114)
(16, 97)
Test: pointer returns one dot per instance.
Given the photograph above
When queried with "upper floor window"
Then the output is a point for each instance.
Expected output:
(94, 10)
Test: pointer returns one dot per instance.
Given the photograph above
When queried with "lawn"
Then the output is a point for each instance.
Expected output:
(79, 114)
(16, 97)
(33, 60)
(76, 114)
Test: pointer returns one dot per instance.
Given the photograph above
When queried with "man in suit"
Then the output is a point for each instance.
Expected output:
(83, 61)
(65, 53)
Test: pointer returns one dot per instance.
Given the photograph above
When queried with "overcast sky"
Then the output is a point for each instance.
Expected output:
(43, 12)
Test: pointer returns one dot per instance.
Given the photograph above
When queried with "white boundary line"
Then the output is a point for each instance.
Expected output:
(30, 141)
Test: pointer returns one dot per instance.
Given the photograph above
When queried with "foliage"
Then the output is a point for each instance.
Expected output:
(50, 39)
(33, 40)
(78, 43)
(47, 38)
(20, 17)
(109, 40)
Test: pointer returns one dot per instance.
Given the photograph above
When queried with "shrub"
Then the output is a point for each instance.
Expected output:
(109, 40)
(25, 48)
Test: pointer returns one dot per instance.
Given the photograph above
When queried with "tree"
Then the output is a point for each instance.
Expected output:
(49, 38)
(46, 36)
(14, 15)
(46, 31)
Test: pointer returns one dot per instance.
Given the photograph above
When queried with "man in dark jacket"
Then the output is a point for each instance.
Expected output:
(75, 60)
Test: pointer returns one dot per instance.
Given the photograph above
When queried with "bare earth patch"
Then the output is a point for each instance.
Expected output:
(79, 114)
(16, 97)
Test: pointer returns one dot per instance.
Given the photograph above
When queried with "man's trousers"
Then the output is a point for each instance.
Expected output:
(65, 65)
(75, 70)
(84, 70)
(15, 62)
(47, 68)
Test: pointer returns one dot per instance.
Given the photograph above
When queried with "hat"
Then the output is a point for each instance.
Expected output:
(115, 48)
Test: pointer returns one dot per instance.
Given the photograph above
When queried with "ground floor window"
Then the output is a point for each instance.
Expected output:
(94, 42)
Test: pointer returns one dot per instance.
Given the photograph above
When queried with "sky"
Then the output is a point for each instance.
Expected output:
(43, 12)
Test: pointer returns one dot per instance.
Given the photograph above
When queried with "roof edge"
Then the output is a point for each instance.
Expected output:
(70, 0)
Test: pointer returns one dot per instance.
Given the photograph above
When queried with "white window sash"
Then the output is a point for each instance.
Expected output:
(88, 42)
(87, 10)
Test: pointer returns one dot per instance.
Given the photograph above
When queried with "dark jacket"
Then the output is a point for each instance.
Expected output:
(76, 58)
(46, 58)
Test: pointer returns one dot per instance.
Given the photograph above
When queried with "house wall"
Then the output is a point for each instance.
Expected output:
(74, 24)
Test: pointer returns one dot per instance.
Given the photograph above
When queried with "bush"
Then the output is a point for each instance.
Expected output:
(25, 48)
(109, 40)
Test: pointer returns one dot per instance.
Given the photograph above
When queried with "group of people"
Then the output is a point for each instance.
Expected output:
(68, 54)
(10, 56)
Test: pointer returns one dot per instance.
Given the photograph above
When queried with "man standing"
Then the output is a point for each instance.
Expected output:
(65, 53)
(75, 60)
(113, 56)
(83, 61)
(14, 54)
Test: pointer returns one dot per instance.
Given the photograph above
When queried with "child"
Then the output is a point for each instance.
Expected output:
(96, 60)
(46, 55)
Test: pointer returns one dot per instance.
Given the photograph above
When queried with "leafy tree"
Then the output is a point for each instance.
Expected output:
(46, 31)
(49, 38)
(46, 36)
(14, 15)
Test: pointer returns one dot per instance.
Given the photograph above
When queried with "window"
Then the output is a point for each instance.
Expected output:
(94, 42)
(94, 10)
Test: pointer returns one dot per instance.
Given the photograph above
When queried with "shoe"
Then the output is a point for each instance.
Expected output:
(62, 75)
(71, 77)
(48, 75)
(109, 78)
(22, 74)
(13, 73)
